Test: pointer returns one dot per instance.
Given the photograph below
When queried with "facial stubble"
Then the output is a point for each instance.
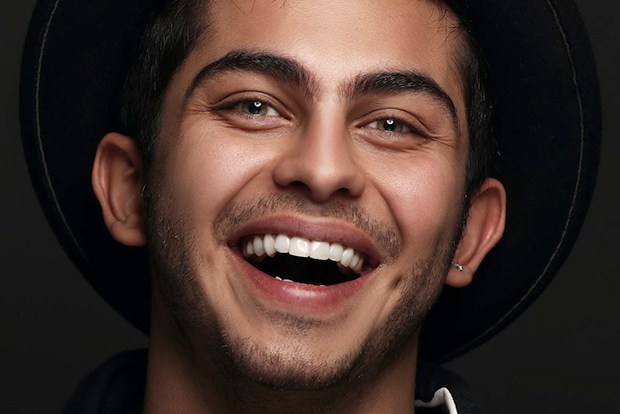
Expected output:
(176, 262)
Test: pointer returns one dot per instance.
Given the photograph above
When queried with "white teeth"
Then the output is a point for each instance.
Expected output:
(354, 261)
(268, 244)
(347, 256)
(257, 243)
(319, 250)
(358, 267)
(282, 243)
(248, 249)
(299, 247)
(335, 252)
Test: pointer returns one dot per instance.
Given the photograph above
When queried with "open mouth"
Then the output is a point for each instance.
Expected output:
(296, 259)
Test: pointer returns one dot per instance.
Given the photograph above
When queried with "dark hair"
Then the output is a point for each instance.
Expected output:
(164, 45)
(473, 69)
(174, 29)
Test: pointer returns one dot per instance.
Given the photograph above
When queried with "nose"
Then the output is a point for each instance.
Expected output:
(321, 163)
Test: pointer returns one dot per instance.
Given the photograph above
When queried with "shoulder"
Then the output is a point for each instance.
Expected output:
(116, 386)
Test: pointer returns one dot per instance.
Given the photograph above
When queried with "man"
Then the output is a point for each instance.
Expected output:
(307, 177)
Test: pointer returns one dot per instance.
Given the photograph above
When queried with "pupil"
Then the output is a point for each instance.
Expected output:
(255, 107)
(389, 125)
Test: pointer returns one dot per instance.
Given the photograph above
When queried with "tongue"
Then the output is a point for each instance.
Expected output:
(304, 270)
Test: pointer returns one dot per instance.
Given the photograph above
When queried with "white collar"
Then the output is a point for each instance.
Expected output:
(442, 397)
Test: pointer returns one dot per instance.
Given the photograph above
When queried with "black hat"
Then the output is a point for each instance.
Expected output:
(546, 122)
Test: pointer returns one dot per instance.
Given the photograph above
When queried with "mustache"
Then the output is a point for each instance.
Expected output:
(237, 214)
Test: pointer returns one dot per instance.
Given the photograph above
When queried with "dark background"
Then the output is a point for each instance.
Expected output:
(560, 356)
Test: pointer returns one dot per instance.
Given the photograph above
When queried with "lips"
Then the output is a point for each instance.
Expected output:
(306, 254)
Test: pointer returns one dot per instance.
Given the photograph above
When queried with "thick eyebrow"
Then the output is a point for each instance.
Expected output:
(279, 68)
(286, 70)
(409, 81)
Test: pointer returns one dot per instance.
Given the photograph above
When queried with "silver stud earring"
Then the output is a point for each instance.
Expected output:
(458, 266)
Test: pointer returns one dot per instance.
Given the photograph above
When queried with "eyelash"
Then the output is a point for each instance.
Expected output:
(408, 127)
(393, 122)
(236, 106)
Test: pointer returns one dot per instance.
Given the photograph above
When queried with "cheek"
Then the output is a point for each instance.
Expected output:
(207, 168)
(424, 197)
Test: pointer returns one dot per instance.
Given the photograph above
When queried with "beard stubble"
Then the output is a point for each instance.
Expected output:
(175, 265)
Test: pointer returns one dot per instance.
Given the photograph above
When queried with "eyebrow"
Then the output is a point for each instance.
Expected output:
(289, 71)
(408, 81)
(276, 67)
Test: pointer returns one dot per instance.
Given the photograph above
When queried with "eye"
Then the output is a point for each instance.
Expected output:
(255, 108)
(390, 125)
(252, 112)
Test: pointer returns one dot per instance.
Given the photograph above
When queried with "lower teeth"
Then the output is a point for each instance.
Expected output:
(314, 273)
(282, 280)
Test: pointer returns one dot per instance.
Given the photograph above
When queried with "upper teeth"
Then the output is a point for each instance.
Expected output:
(269, 245)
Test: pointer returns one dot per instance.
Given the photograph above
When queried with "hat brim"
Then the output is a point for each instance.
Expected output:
(546, 122)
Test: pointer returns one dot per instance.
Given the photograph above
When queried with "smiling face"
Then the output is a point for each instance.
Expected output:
(293, 132)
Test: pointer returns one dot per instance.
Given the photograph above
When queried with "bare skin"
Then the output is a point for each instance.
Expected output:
(293, 132)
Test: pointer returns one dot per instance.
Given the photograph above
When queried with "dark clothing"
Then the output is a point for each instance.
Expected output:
(117, 387)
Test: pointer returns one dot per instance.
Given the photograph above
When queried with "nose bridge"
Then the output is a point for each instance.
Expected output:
(322, 161)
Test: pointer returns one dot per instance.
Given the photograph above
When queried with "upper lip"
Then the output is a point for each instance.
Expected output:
(318, 229)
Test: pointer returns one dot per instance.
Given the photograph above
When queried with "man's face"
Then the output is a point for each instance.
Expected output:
(330, 129)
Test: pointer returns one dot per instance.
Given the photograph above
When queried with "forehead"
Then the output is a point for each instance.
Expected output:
(338, 39)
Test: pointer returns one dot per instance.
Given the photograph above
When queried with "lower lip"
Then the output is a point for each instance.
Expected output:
(300, 296)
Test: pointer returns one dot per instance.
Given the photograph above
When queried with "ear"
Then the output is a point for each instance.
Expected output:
(117, 180)
(484, 228)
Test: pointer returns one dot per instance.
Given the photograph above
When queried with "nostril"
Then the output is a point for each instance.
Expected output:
(300, 185)
(319, 192)
(321, 171)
